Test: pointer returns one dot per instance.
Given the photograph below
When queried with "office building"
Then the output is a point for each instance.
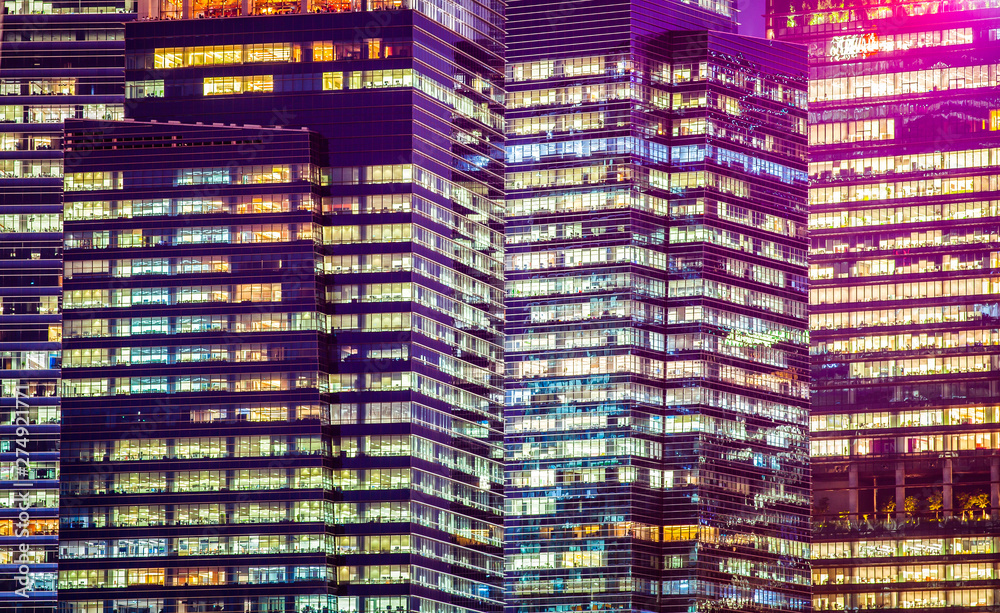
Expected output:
(363, 321)
(193, 444)
(58, 60)
(903, 215)
(657, 383)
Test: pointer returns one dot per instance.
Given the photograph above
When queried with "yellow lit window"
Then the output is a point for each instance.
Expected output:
(220, 86)
(207, 56)
(579, 66)
(263, 83)
(370, 79)
(271, 52)
(333, 80)
(265, 174)
(215, 86)
(168, 58)
(323, 51)
(259, 292)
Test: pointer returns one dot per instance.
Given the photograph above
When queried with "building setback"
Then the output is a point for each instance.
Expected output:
(373, 319)
(58, 60)
(904, 264)
(657, 383)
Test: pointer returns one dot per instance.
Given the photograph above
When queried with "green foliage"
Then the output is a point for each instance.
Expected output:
(935, 502)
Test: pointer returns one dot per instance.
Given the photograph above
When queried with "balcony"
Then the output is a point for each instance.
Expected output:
(869, 527)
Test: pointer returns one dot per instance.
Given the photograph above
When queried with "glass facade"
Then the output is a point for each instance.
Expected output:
(60, 60)
(657, 383)
(193, 439)
(348, 300)
(904, 300)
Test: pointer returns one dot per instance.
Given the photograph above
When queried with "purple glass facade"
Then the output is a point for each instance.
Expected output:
(656, 346)
(905, 314)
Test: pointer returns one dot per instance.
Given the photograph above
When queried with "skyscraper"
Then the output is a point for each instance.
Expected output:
(163, 302)
(905, 283)
(656, 345)
(391, 275)
(58, 60)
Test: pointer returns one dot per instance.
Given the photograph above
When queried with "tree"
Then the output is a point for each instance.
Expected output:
(888, 507)
(962, 501)
(935, 502)
(980, 501)
(910, 505)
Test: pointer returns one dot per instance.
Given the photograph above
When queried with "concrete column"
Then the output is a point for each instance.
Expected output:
(244, 8)
(852, 494)
(303, 6)
(946, 489)
(186, 9)
(900, 491)
(995, 487)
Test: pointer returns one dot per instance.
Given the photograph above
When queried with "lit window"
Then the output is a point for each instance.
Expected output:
(220, 86)
(333, 80)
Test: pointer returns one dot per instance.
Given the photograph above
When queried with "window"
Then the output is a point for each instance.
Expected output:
(90, 181)
(169, 58)
(271, 52)
(217, 86)
(264, 174)
(580, 66)
(179, 57)
(138, 326)
(258, 292)
(370, 79)
(333, 80)
(198, 235)
(144, 89)
(323, 51)
(207, 56)
(201, 176)
(531, 71)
